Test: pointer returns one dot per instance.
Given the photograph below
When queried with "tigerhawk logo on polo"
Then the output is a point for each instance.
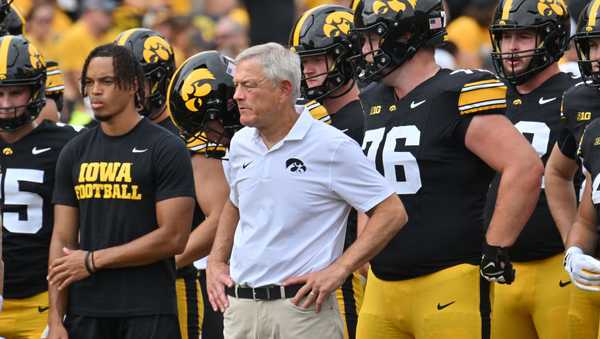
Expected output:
(295, 166)
(195, 87)
(156, 49)
(550, 7)
(384, 6)
(337, 23)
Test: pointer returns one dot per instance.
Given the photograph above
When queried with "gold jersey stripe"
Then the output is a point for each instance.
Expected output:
(483, 108)
(482, 95)
(4, 55)
(319, 112)
(482, 82)
(506, 9)
(593, 13)
(125, 35)
(298, 28)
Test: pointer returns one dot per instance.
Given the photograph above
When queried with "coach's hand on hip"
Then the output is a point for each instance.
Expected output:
(217, 277)
(318, 285)
(68, 268)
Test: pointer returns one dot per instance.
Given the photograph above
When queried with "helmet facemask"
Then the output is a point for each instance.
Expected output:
(590, 68)
(548, 48)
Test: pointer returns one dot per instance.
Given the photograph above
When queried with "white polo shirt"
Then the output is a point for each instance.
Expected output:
(294, 199)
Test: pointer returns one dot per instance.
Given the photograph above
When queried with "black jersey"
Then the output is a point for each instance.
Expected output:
(27, 182)
(589, 151)
(417, 143)
(169, 125)
(350, 119)
(580, 105)
(115, 182)
(537, 116)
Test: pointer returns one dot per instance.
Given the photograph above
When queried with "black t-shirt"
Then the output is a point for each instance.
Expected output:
(589, 151)
(27, 181)
(418, 144)
(537, 116)
(115, 183)
(198, 214)
(350, 120)
(580, 105)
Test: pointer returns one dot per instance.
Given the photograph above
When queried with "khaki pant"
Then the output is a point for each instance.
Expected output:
(280, 319)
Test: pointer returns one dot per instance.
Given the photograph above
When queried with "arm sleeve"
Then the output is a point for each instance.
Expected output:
(173, 170)
(64, 190)
(354, 178)
(483, 94)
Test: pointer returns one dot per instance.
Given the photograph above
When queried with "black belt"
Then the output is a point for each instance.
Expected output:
(273, 292)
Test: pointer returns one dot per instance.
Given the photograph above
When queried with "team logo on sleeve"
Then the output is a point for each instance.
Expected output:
(550, 7)
(156, 49)
(36, 59)
(337, 23)
(195, 87)
(383, 6)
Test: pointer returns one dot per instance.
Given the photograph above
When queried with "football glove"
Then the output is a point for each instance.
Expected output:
(495, 265)
(583, 269)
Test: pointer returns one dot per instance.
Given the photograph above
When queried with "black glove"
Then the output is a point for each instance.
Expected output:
(495, 265)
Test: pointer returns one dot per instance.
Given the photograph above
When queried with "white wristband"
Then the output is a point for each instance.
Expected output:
(573, 250)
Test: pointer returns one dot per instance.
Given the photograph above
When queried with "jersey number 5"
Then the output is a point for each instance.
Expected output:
(395, 162)
(15, 198)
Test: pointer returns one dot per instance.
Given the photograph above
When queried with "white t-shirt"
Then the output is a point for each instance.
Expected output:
(294, 199)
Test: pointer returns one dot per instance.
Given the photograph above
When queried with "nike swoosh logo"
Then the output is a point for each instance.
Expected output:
(441, 307)
(414, 105)
(42, 309)
(563, 284)
(135, 150)
(36, 151)
(345, 130)
(545, 101)
(246, 165)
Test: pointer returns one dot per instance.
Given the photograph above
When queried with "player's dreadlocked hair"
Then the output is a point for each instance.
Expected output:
(127, 70)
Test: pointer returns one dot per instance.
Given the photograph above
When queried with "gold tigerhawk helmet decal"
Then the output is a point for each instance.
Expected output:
(549, 7)
(383, 6)
(193, 88)
(36, 59)
(155, 49)
(337, 23)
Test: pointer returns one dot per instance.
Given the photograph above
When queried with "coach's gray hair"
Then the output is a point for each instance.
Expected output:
(278, 64)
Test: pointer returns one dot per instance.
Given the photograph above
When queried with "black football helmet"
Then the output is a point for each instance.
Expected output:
(13, 22)
(200, 98)
(22, 65)
(401, 26)
(588, 28)
(548, 19)
(158, 62)
(55, 84)
(5, 7)
(325, 31)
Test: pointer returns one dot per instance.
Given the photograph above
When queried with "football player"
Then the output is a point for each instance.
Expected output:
(29, 154)
(528, 39)
(156, 56)
(437, 135)
(200, 98)
(580, 107)
(321, 37)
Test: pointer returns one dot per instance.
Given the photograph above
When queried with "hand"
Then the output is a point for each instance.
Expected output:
(68, 269)
(217, 277)
(57, 331)
(583, 269)
(317, 285)
(495, 265)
